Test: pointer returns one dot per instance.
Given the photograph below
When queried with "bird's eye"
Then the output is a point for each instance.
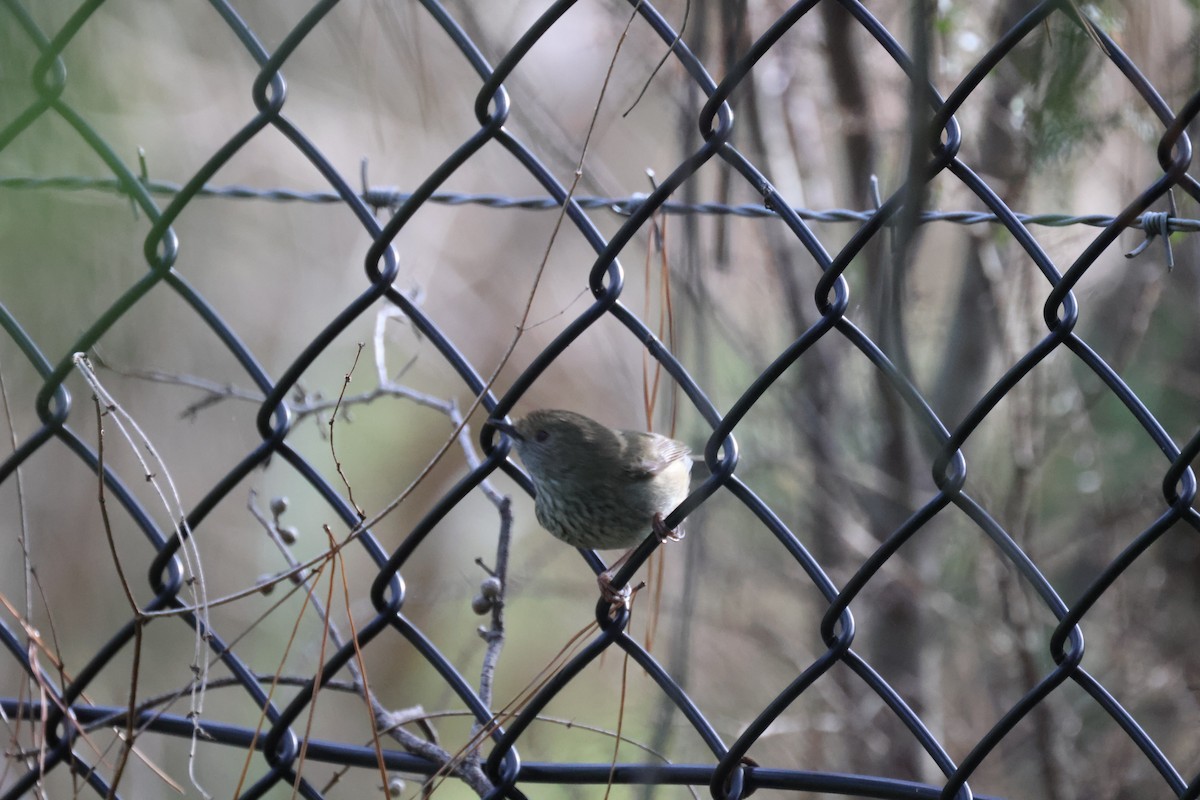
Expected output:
(542, 436)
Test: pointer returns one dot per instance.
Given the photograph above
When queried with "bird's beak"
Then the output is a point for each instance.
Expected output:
(504, 427)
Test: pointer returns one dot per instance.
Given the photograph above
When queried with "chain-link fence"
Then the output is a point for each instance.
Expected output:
(939, 445)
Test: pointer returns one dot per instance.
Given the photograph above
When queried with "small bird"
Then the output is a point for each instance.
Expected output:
(597, 487)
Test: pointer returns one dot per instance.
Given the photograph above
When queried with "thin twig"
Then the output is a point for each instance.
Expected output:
(26, 560)
(138, 619)
(129, 737)
(316, 681)
(138, 441)
(494, 636)
(62, 673)
(687, 11)
(333, 450)
(103, 502)
(362, 667)
(262, 716)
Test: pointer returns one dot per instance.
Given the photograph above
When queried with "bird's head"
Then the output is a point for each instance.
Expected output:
(553, 442)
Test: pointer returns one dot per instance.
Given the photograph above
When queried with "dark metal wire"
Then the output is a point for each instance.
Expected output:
(729, 773)
(379, 197)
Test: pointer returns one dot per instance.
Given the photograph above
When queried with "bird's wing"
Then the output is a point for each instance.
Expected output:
(656, 453)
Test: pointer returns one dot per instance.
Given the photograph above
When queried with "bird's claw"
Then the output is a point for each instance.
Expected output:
(664, 533)
(617, 597)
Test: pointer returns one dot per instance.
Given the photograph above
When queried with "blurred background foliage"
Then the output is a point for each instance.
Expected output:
(1059, 463)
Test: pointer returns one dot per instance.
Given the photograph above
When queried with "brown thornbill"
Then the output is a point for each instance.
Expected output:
(597, 487)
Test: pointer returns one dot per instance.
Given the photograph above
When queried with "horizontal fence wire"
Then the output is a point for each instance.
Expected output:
(380, 198)
(55, 711)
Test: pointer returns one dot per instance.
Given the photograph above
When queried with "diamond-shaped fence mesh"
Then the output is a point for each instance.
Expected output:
(869, 262)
